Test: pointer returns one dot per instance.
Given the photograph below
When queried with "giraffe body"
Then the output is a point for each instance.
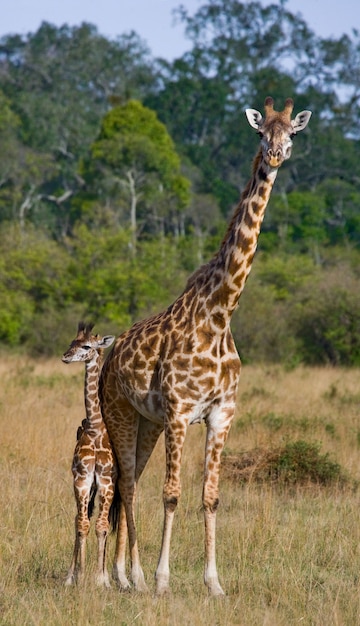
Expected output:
(94, 465)
(181, 367)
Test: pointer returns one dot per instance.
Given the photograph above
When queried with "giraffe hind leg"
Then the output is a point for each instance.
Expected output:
(122, 423)
(77, 568)
(147, 436)
(102, 576)
(72, 573)
(119, 566)
(82, 526)
(106, 495)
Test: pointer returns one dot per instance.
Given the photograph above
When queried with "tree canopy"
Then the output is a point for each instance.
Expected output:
(134, 162)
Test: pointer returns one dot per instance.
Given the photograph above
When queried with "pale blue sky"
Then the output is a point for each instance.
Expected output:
(152, 19)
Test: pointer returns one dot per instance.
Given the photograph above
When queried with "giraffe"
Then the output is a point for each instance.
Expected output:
(94, 466)
(181, 366)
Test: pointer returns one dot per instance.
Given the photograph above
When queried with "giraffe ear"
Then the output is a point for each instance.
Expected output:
(301, 121)
(254, 118)
(106, 341)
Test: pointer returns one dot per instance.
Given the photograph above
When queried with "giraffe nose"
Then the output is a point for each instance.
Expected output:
(274, 153)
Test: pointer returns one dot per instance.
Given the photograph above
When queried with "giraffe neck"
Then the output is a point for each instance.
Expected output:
(91, 392)
(230, 267)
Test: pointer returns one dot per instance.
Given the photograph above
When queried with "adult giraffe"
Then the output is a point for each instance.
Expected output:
(181, 366)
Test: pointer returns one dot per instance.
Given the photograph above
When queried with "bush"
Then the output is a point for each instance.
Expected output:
(297, 462)
(293, 312)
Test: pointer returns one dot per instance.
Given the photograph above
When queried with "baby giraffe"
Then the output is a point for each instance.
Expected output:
(94, 465)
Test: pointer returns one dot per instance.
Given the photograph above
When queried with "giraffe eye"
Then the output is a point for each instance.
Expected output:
(87, 347)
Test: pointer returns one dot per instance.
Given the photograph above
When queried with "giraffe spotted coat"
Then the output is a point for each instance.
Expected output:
(181, 367)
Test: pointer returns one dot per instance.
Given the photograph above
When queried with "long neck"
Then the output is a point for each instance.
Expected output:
(91, 391)
(231, 266)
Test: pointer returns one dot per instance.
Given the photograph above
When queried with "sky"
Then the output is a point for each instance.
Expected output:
(152, 20)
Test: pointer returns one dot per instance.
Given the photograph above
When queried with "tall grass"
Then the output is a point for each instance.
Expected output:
(284, 556)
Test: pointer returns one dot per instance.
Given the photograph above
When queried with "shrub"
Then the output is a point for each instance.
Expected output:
(297, 462)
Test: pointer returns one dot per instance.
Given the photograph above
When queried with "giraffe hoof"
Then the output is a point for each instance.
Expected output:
(215, 590)
(138, 579)
(141, 587)
(123, 587)
(72, 579)
(102, 581)
(162, 586)
(121, 580)
(162, 592)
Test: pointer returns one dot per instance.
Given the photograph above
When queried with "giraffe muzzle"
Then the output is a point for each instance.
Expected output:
(274, 157)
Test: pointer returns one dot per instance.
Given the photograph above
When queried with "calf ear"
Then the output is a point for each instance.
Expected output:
(106, 341)
(254, 118)
(301, 121)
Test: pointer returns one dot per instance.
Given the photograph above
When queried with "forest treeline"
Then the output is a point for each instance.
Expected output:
(120, 171)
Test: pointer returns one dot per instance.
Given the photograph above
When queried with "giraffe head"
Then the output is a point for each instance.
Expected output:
(277, 129)
(85, 346)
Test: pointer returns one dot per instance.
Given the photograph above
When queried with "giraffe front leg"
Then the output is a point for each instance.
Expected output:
(102, 529)
(174, 442)
(217, 431)
(82, 525)
(162, 574)
(211, 578)
(82, 492)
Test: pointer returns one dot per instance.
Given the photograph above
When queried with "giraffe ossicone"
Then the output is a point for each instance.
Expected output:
(181, 367)
(94, 465)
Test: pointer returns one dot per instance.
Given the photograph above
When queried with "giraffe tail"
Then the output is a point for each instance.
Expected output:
(114, 510)
(91, 504)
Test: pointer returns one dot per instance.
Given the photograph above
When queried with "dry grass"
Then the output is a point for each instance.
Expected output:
(284, 557)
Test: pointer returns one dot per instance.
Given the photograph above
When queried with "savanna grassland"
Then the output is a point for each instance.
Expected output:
(286, 554)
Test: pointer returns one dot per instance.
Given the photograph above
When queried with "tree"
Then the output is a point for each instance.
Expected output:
(134, 160)
(59, 81)
(242, 52)
(22, 170)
